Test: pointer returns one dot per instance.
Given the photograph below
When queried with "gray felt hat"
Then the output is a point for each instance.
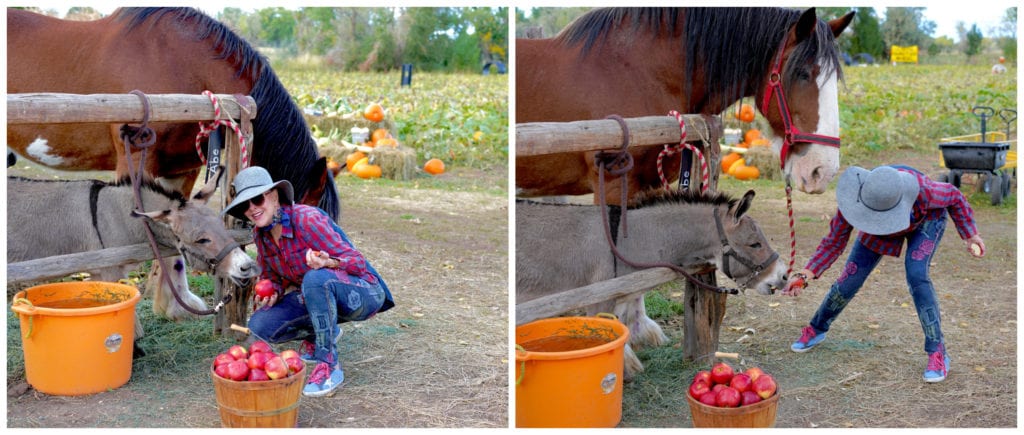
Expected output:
(252, 182)
(878, 201)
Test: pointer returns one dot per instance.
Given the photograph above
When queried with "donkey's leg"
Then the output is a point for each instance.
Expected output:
(179, 278)
(648, 331)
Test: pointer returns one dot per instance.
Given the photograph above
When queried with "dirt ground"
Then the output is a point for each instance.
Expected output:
(438, 359)
(868, 372)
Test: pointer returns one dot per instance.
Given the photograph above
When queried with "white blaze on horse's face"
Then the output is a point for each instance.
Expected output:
(41, 151)
(812, 168)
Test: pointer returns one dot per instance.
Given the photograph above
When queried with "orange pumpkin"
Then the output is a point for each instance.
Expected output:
(374, 112)
(736, 165)
(363, 169)
(434, 167)
(746, 113)
(350, 161)
(746, 172)
(750, 135)
(379, 134)
(729, 159)
(387, 142)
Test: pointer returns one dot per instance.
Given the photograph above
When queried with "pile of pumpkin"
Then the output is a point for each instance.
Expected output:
(733, 163)
(359, 163)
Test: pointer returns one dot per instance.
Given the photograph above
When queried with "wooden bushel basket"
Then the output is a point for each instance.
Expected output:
(273, 403)
(760, 414)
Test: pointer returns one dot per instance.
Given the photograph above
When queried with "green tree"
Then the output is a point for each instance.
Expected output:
(907, 26)
(314, 32)
(1008, 42)
(546, 22)
(974, 39)
(430, 37)
(277, 26)
(867, 34)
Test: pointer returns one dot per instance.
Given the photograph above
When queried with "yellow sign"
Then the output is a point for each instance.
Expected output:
(903, 54)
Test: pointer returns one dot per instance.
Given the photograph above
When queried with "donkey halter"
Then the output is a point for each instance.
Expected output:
(728, 251)
(792, 134)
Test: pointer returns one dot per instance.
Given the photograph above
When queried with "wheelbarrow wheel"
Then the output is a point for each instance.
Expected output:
(985, 182)
(995, 185)
(1007, 184)
(954, 179)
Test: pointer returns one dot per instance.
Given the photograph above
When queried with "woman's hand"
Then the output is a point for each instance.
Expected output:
(976, 246)
(259, 303)
(797, 282)
(318, 259)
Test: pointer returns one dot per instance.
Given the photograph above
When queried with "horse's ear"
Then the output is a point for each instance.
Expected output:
(839, 24)
(806, 25)
(159, 216)
(206, 192)
(318, 177)
(742, 205)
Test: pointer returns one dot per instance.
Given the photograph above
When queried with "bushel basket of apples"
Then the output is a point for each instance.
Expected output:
(257, 387)
(724, 397)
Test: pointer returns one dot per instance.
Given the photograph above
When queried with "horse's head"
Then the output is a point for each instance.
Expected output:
(202, 238)
(800, 101)
(746, 257)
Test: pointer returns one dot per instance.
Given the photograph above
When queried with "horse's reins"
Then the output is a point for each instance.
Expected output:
(143, 137)
(792, 135)
(618, 163)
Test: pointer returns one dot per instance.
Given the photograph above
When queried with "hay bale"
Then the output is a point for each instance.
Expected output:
(344, 123)
(396, 163)
(762, 158)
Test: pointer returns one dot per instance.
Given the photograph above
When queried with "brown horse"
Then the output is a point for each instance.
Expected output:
(156, 51)
(646, 62)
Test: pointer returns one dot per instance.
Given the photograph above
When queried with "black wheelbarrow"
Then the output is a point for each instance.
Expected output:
(987, 158)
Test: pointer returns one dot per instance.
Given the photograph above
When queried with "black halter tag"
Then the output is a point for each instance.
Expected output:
(213, 148)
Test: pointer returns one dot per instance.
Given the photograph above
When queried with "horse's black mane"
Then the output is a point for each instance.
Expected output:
(282, 143)
(733, 45)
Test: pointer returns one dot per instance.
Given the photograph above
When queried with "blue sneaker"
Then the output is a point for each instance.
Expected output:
(808, 339)
(306, 348)
(323, 380)
(938, 365)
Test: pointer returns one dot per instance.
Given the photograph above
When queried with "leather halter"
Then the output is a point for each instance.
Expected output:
(728, 251)
(792, 134)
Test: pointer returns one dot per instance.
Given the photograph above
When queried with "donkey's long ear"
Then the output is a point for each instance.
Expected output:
(206, 192)
(161, 216)
(742, 205)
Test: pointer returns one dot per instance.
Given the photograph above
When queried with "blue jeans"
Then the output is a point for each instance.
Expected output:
(314, 314)
(921, 246)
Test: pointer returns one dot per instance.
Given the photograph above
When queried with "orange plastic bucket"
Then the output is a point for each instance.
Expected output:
(569, 372)
(77, 337)
(760, 414)
(273, 403)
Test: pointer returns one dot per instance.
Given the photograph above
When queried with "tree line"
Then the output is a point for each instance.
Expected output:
(371, 38)
(870, 33)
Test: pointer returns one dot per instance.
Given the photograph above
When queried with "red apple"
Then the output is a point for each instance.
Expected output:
(764, 386)
(741, 382)
(223, 358)
(289, 353)
(256, 375)
(276, 368)
(238, 351)
(260, 346)
(721, 373)
(749, 398)
(238, 370)
(754, 372)
(717, 387)
(698, 389)
(727, 397)
(709, 398)
(294, 365)
(703, 376)
(222, 371)
(258, 359)
(264, 288)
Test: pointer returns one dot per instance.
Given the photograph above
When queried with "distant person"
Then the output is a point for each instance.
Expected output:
(888, 205)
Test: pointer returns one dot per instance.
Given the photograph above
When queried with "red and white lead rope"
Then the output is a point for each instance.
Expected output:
(205, 128)
(672, 149)
(792, 228)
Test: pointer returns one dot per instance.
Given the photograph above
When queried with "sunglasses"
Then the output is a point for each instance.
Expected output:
(257, 201)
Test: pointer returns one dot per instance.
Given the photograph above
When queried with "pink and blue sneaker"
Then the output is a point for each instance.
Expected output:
(808, 339)
(938, 365)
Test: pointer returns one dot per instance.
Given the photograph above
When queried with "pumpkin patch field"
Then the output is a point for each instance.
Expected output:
(439, 358)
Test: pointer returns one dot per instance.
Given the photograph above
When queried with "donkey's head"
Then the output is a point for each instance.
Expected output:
(746, 256)
(202, 238)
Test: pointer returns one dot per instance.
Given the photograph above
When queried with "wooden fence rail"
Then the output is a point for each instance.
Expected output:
(539, 138)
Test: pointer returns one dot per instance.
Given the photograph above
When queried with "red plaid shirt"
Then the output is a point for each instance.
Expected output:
(303, 228)
(933, 200)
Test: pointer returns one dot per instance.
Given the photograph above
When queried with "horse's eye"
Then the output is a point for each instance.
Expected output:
(203, 241)
(756, 245)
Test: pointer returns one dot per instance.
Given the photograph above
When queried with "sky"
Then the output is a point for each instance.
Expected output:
(986, 14)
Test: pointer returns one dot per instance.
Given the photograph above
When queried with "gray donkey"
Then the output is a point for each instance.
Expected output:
(561, 247)
(56, 217)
